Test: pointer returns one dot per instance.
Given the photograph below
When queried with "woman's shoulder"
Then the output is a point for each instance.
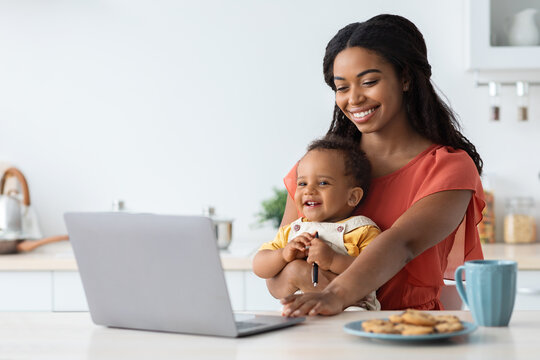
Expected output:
(436, 160)
(440, 157)
(446, 154)
(447, 168)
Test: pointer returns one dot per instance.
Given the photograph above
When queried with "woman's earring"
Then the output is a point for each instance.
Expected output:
(406, 87)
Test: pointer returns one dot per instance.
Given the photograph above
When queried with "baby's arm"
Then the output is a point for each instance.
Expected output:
(328, 259)
(268, 263)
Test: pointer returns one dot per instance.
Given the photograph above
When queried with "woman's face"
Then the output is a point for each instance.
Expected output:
(368, 91)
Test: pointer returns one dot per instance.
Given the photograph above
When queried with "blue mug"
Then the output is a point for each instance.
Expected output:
(491, 290)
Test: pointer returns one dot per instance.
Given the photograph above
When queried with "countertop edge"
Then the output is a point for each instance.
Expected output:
(59, 257)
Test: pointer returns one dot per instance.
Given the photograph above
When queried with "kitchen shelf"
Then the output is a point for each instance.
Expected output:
(487, 44)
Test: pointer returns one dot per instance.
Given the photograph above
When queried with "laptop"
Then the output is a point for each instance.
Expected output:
(158, 272)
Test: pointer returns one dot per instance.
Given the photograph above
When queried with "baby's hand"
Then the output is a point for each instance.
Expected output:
(320, 253)
(297, 248)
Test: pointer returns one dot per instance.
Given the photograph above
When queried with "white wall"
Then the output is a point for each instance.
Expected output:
(174, 105)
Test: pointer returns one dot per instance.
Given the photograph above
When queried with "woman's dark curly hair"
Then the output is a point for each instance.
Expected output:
(357, 165)
(399, 41)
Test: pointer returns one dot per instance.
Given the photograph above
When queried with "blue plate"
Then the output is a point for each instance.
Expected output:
(355, 328)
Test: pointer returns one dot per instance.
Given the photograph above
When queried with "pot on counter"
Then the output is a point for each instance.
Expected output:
(19, 230)
(222, 227)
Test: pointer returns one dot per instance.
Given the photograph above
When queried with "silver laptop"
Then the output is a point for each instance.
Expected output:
(158, 272)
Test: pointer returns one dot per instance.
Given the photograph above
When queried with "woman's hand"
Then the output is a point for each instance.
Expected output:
(323, 303)
(297, 248)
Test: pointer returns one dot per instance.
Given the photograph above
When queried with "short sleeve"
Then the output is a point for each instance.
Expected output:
(447, 170)
(356, 240)
(280, 241)
(450, 170)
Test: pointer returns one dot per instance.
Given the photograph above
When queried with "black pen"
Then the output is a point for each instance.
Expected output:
(315, 270)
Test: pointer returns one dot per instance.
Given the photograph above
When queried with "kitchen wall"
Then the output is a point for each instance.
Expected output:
(175, 105)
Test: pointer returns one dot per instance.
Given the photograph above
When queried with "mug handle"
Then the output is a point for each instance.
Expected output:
(459, 284)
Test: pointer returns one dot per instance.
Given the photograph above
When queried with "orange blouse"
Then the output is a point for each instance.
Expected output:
(438, 168)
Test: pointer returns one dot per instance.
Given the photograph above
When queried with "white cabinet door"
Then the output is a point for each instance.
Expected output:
(68, 292)
(488, 48)
(26, 291)
(235, 286)
(528, 290)
(257, 295)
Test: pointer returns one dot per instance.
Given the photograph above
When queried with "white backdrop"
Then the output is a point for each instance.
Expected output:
(175, 105)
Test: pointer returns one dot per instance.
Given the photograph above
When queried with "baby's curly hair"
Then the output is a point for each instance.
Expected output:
(357, 164)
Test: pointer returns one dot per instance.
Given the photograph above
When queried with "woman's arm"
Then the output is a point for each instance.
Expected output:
(290, 213)
(340, 263)
(423, 225)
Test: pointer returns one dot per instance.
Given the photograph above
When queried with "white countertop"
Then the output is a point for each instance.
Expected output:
(73, 336)
(526, 255)
(59, 257)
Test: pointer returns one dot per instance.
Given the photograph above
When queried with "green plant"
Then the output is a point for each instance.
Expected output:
(274, 207)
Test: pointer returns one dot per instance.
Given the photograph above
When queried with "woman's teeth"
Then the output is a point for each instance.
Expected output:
(362, 114)
(311, 203)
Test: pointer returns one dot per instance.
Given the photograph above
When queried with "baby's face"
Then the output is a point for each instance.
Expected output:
(324, 193)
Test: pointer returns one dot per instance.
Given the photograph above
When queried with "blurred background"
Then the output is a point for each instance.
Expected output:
(174, 106)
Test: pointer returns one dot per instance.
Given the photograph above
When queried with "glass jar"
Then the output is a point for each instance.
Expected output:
(486, 227)
(519, 224)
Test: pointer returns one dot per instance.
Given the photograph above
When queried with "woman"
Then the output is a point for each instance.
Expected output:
(425, 193)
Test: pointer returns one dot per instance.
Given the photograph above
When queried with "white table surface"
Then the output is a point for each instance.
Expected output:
(74, 336)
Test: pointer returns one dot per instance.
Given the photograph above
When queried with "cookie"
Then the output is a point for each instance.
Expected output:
(414, 322)
(396, 319)
(379, 326)
(407, 329)
(416, 317)
(446, 319)
(448, 327)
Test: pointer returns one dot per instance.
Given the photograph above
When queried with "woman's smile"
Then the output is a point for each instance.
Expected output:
(362, 115)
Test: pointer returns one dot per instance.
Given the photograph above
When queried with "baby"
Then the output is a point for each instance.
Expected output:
(332, 179)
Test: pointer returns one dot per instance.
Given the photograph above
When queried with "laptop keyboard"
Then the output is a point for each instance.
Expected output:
(245, 325)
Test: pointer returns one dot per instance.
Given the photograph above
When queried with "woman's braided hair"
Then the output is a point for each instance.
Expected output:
(357, 164)
(399, 41)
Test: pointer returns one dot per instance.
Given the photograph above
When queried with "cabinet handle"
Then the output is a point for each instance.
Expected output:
(529, 291)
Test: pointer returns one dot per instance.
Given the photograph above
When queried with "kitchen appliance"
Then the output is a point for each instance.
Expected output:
(222, 227)
(19, 229)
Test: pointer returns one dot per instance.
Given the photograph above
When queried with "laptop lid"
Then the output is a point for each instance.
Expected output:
(155, 272)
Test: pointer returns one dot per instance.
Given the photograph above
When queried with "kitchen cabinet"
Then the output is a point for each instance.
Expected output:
(68, 292)
(257, 295)
(25, 291)
(63, 291)
(47, 280)
(487, 24)
(235, 286)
